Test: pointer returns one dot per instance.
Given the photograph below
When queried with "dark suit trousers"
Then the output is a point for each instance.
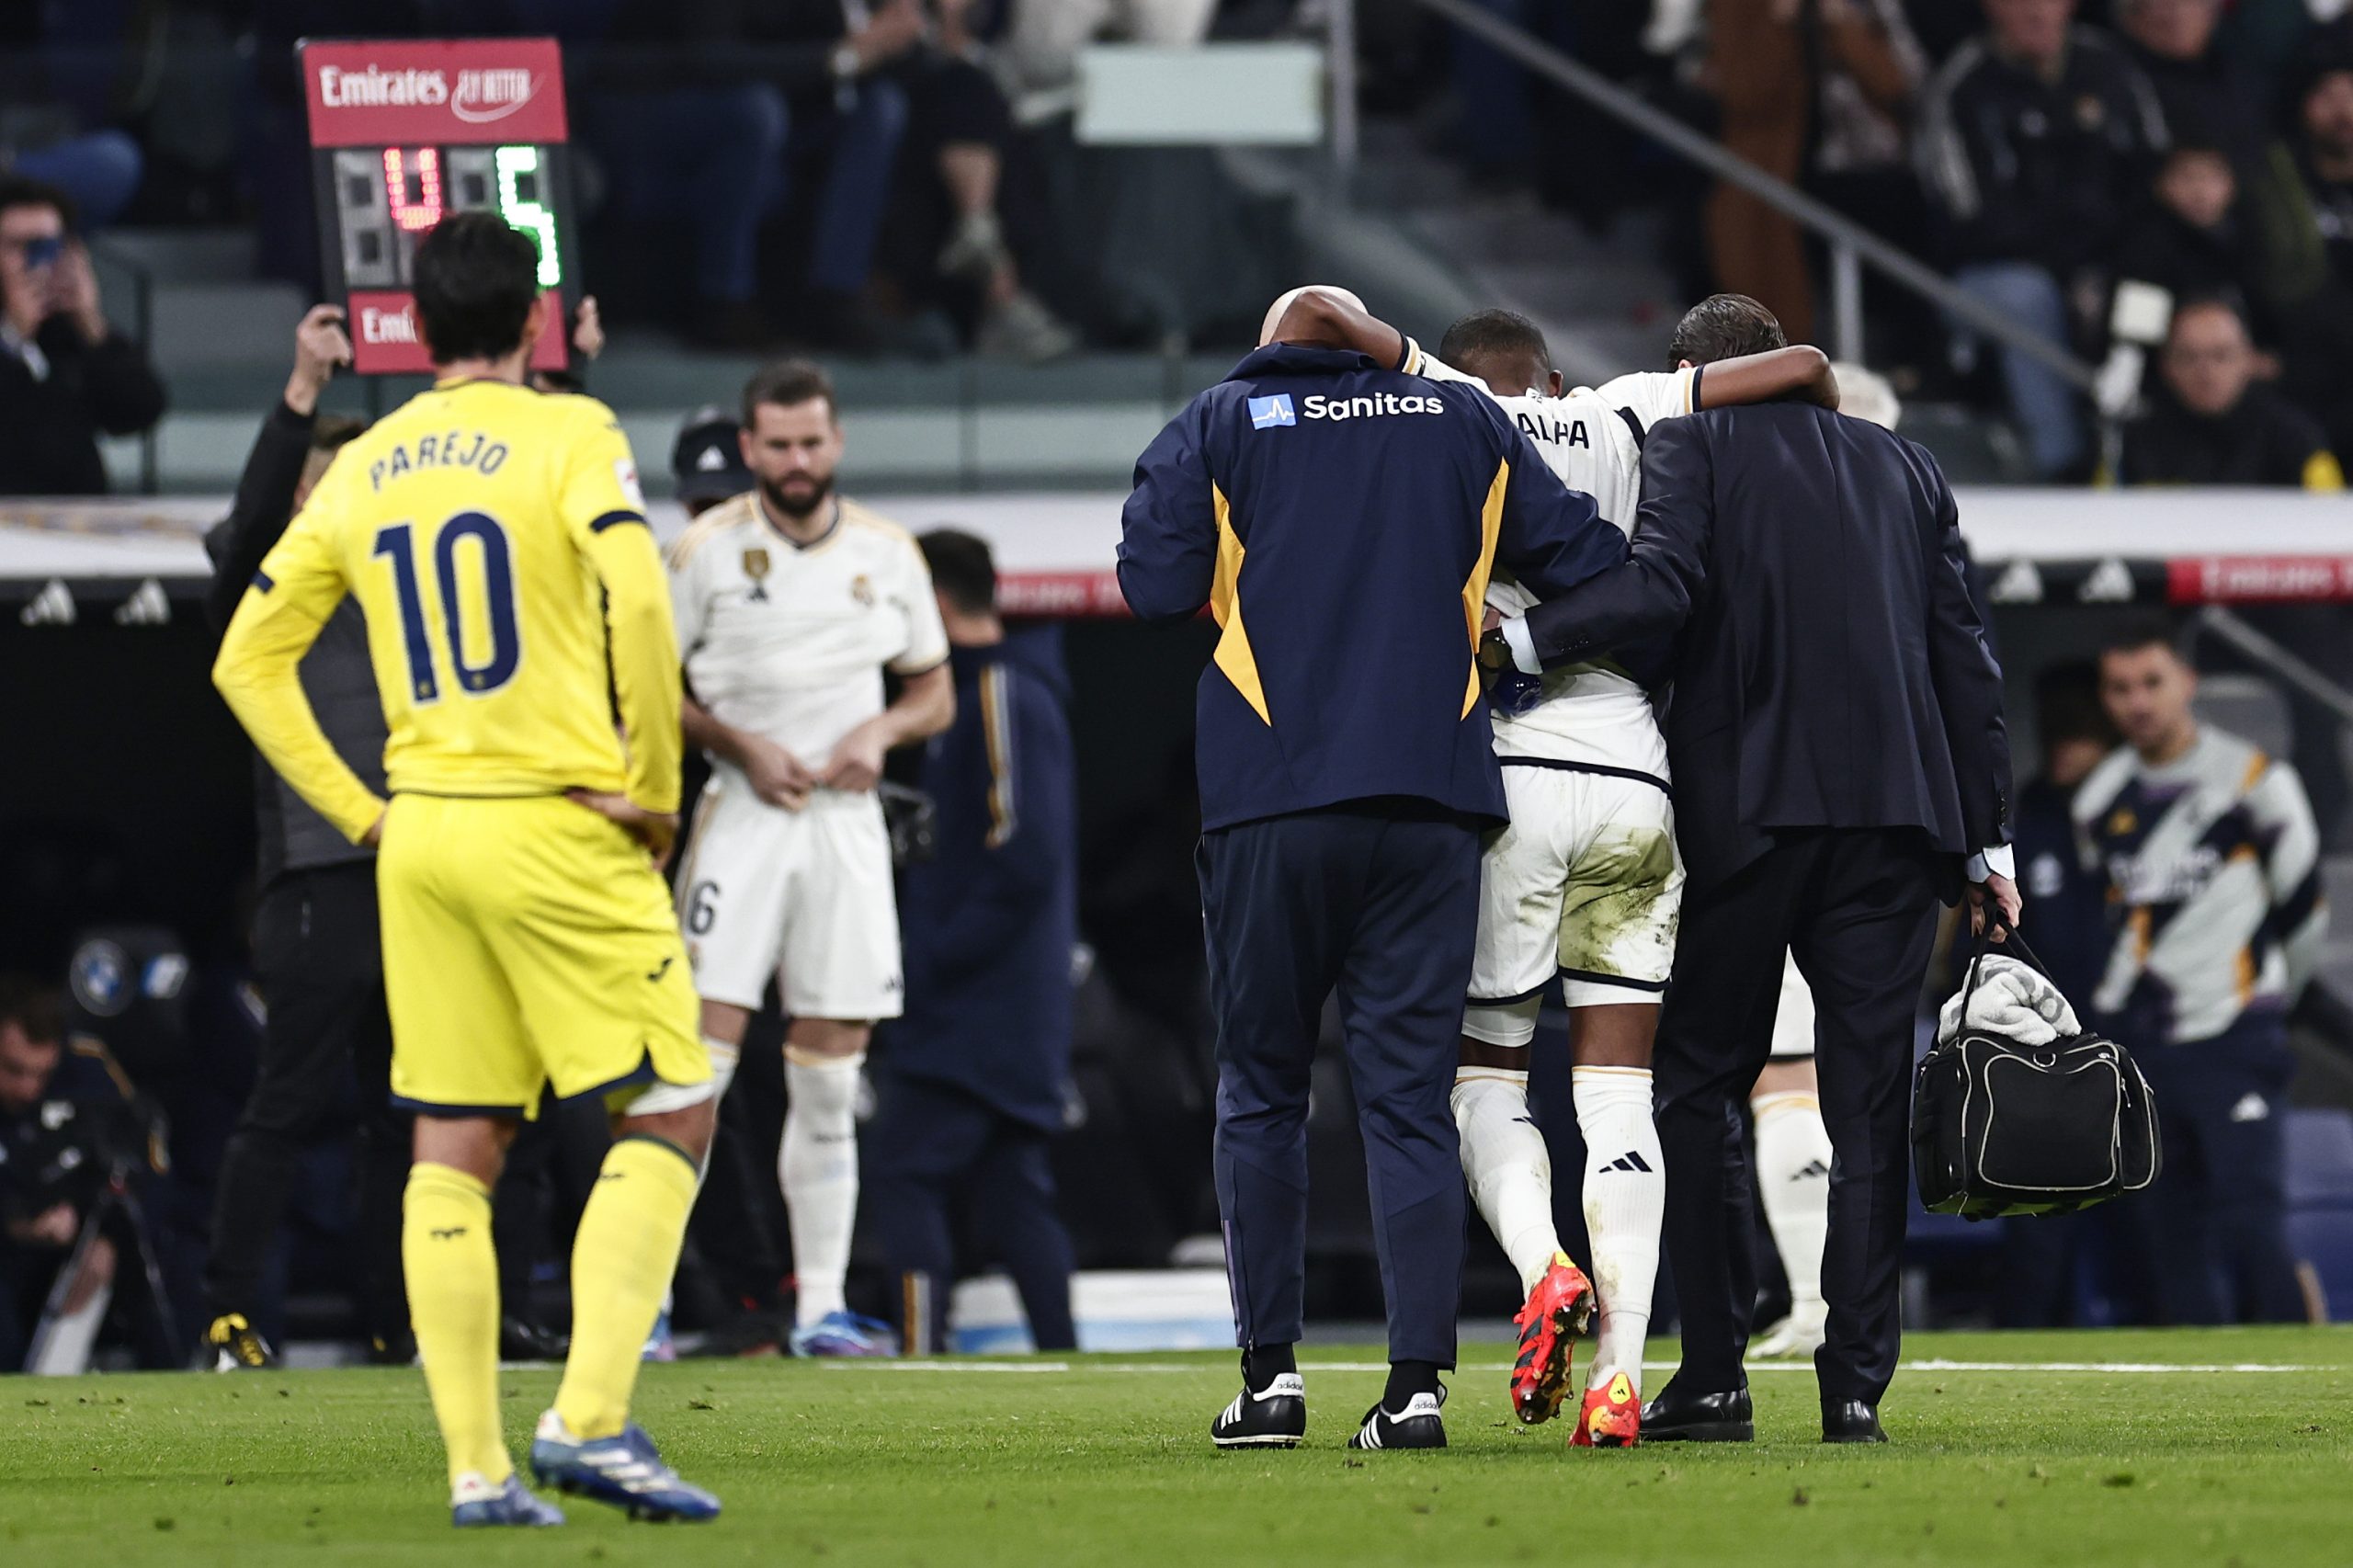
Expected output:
(1858, 909)
(1382, 907)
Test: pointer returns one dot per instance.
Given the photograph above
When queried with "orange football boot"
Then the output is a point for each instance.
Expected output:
(1612, 1417)
(1556, 1312)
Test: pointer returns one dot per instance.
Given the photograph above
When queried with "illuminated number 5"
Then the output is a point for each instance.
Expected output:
(397, 542)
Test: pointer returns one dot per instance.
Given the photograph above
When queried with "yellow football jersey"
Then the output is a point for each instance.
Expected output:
(496, 538)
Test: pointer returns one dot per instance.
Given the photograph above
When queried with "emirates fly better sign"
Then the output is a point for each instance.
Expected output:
(405, 132)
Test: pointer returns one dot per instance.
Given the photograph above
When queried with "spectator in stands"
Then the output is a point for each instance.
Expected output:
(970, 1084)
(1042, 38)
(2210, 863)
(2036, 141)
(2299, 206)
(2213, 423)
(66, 375)
(2203, 96)
(44, 135)
(706, 110)
(2193, 243)
(963, 130)
(1777, 70)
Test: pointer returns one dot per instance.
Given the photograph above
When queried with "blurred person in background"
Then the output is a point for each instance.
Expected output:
(70, 1123)
(2035, 141)
(2069, 905)
(2213, 422)
(707, 109)
(2203, 94)
(36, 1227)
(2209, 864)
(969, 1083)
(1042, 38)
(2191, 242)
(707, 461)
(1783, 74)
(317, 953)
(66, 375)
(963, 130)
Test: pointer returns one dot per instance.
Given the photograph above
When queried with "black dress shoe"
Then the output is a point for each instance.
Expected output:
(1849, 1421)
(1680, 1415)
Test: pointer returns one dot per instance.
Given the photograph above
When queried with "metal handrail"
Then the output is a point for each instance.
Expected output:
(1850, 241)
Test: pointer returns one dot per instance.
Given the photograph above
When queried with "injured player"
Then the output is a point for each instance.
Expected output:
(1584, 885)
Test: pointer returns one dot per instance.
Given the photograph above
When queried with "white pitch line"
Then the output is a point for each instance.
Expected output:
(2133, 1368)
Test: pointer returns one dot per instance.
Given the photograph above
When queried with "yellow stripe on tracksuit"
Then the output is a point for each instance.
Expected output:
(997, 729)
(1234, 653)
(1475, 590)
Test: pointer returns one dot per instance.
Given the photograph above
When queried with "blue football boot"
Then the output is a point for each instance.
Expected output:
(479, 1504)
(625, 1471)
(844, 1333)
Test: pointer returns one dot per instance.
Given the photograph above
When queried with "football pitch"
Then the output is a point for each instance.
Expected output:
(2215, 1447)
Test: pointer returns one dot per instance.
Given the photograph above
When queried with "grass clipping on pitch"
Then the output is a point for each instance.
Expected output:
(2216, 1447)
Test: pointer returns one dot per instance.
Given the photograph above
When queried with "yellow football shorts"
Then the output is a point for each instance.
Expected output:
(527, 942)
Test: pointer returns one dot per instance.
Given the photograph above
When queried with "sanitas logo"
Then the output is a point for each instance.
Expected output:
(1318, 406)
(378, 88)
(485, 95)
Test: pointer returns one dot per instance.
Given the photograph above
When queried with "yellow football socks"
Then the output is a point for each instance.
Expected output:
(453, 1305)
(621, 1263)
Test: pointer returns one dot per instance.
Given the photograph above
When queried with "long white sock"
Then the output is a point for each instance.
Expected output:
(817, 1167)
(1625, 1203)
(1793, 1173)
(1509, 1169)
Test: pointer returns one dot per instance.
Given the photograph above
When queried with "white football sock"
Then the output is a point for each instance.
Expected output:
(1625, 1203)
(724, 1060)
(817, 1167)
(1793, 1175)
(1509, 1169)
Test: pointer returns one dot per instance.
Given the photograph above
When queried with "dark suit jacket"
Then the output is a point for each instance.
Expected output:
(1831, 670)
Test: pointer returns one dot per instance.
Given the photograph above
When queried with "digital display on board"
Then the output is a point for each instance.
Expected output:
(404, 131)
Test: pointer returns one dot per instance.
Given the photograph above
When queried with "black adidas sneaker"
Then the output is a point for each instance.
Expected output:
(1418, 1426)
(1274, 1417)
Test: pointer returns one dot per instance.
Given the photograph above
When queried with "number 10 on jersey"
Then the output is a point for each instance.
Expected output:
(494, 632)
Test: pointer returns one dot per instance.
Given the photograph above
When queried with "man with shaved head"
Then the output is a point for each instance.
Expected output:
(1341, 520)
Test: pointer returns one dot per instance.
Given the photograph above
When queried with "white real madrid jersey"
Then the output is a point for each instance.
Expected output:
(1592, 439)
(789, 642)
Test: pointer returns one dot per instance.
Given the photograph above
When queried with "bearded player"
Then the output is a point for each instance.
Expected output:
(1584, 885)
(792, 601)
(496, 538)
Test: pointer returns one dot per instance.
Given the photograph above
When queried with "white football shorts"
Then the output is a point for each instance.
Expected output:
(1584, 883)
(804, 896)
(1793, 1024)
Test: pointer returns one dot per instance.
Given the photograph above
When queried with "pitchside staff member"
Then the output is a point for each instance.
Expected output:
(969, 1083)
(1340, 519)
(316, 950)
(2212, 865)
(1839, 748)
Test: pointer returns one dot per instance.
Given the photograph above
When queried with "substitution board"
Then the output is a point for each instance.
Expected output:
(404, 131)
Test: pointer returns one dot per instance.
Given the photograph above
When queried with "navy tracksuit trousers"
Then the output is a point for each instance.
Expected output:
(1377, 900)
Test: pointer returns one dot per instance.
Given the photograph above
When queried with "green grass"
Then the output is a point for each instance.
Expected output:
(1107, 1465)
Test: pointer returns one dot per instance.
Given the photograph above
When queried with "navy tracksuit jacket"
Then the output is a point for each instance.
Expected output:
(1340, 520)
(969, 1082)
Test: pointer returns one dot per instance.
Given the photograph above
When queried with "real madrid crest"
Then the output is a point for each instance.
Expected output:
(755, 567)
(862, 590)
